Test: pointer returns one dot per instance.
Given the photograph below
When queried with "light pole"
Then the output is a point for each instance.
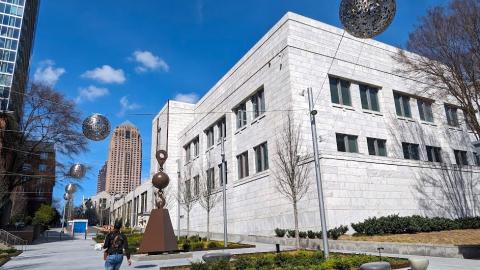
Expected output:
(178, 199)
(318, 175)
(224, 191)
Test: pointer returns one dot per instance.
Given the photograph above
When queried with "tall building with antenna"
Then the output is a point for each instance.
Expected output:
(124, 165)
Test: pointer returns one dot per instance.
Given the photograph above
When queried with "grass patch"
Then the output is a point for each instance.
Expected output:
(303, 259)
(6, 254)
(455, 237)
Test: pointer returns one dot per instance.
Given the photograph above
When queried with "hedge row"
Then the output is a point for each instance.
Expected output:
(394, 224)
(334, 233)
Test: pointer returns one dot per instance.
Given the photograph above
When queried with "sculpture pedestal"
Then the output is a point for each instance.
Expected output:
(159, 236)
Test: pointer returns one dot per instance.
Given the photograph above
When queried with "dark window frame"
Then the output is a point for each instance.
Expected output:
(345, 140)
(377, 145)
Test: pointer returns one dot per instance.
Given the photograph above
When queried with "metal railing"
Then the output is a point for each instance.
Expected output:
(12, 240)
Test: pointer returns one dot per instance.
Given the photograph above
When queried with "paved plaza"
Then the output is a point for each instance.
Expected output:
(80, 254)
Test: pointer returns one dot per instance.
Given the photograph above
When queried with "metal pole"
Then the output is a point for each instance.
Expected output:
(178, 199)
(224, 191)
(63, 219)
(318, 174)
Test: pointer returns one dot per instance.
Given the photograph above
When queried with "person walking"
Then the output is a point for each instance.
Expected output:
(115, 245)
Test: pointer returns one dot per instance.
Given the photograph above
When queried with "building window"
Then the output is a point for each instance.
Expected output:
(196, 147)
(340, 91)
(44, 156)
(27, 168)
(127, 134)
(377, 147)
(347, 143)
(196, 185)
(222, 128)
(159, 134)
(187, 152)
(242, 163)
(211, 179)
(452, 117)
(402, 105)
(188, 192)
(241, 115)
(261, 157)
(258, 102)
(210, 136)
(477, 158)
(410, 151)
(460, 157)
(425, 110)
(221, 174)
(434, 154)
(42, 168)
(369, 97)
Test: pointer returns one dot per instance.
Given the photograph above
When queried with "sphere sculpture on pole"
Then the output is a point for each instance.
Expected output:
(67, 196)
(160, 180)
(96, 127)
(367, 18)
(70, 189)
(77, 171)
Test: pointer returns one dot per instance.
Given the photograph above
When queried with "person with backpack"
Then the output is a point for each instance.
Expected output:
(115, 245)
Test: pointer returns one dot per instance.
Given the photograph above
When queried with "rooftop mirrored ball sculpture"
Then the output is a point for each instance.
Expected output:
(367, 18)
(77, 171)
(96, 127)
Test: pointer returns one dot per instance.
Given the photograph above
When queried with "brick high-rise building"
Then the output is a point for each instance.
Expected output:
(124, 159)
(102, 178)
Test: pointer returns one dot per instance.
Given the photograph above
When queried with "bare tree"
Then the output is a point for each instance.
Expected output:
(48, 118)
(291, 171)
(187, 201)
(208, 196)
(448, 42)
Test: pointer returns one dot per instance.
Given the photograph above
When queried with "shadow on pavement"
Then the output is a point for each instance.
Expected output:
(146, 266)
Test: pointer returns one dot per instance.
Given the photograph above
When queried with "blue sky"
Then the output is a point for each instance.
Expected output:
(118, 57)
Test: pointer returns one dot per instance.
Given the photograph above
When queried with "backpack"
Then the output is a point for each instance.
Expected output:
(117, 243)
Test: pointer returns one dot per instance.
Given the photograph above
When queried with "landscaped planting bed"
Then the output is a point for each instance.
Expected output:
(6, 254)
(192, 243)
(304, 260)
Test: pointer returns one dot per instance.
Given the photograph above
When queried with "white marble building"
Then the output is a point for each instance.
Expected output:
(361, 100)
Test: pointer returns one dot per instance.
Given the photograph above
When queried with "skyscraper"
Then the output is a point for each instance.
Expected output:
(18, 19)
(124, 164)
(102, 178)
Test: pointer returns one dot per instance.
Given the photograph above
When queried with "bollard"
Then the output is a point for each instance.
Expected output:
(277, 246)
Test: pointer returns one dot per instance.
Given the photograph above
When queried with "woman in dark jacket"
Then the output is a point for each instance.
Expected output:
(115, 245)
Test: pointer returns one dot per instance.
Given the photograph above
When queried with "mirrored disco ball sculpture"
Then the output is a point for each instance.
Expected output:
(96, 127)
(367, 18)
(77, 171)
(70, 188)
(67, 196)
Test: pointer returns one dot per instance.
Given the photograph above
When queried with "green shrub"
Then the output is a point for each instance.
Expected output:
(336, 232)
(280, 232)
(219, 265)
(318, 235)
(213, 244)
(204, 239)
(44, 215)
(198, 266)
(264, 262)
(242, 263)
(186, 245)
(394, 224)
(310, 234)
(8, 251)
(302, 234)
(198, 245)
(195, 238)
(291, 233)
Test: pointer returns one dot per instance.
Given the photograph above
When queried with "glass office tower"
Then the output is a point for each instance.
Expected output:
(17, 31)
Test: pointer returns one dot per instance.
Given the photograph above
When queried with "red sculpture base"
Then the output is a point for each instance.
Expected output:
(159, 236)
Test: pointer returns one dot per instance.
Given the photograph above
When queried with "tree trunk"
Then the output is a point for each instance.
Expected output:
(208, 226)
(295, 217)
(188, 222)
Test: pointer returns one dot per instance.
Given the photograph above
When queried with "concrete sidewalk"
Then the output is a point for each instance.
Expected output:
(80, 254)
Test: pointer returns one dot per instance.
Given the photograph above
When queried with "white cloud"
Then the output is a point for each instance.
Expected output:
(106, 74)
(91, 93)
(126, 106)
(47, 73)
(148, 62)
(188, 98)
